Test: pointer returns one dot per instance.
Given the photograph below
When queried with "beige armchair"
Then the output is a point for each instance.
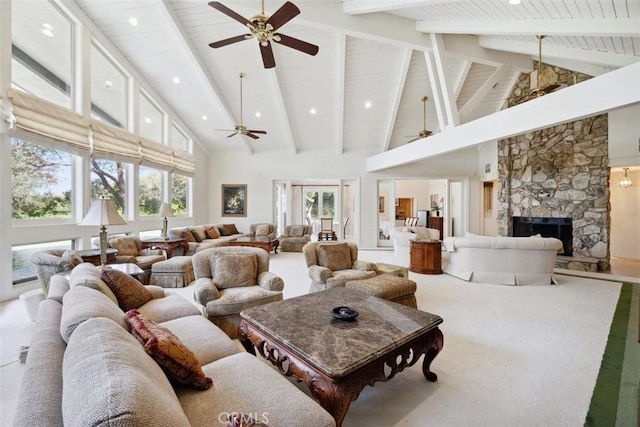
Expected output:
(332, 264)
(130, 250)
(53, 261)
(230, 279)
(264, 229)
(295, 237)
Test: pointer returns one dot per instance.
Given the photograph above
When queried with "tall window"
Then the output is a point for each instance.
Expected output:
(150, 191)
(41, 181)
(23, 269)
(41, 37)
(108, 181)
(179, 140)
(108, 90)
(150, 120)
(179, 194)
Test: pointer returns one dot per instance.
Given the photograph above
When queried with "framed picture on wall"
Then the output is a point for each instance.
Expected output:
(234, 199)
(381, 204)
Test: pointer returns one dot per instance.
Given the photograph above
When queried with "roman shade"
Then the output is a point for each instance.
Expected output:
(114, 143)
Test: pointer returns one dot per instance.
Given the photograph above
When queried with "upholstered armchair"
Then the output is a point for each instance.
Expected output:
(230, 279)
(332, 264)
(53, 261)
(295, 237)
(130, 250)
(266, 230)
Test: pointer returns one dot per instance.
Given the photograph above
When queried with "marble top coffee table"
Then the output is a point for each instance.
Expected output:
(336, 359)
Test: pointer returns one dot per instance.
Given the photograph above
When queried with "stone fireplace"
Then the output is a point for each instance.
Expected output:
(560, 228)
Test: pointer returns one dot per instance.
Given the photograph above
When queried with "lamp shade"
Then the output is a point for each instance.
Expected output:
(166, 210)
(102, 212)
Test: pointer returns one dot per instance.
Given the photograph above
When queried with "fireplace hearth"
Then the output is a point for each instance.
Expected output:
(560, 228)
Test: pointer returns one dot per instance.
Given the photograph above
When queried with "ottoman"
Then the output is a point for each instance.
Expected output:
(389, 287)
(394, 270)
(175, 272)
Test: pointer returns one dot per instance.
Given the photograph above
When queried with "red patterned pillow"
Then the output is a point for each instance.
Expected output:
(129, 292)
(176, 359)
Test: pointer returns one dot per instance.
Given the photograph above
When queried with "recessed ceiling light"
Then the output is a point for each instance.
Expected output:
(204, 117)
(147, 120)
(514, 2)
(133, 21)
(47, 32)
(176, 80)
(258, 114)
(47, 26)
(367, 104)
(312, 111)
(108, 85)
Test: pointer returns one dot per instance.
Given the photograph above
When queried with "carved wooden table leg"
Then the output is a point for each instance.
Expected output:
(432, 352)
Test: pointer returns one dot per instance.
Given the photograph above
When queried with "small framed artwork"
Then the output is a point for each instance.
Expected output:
(234, 199)
(381, 204)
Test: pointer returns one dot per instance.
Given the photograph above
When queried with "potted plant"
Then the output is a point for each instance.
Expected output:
(435, 207)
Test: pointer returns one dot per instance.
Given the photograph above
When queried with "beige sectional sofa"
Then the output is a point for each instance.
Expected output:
(84, 367)
(207, 242)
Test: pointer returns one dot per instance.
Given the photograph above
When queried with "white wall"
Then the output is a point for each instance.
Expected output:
(624, 136)
(488, 157)
(625, 208)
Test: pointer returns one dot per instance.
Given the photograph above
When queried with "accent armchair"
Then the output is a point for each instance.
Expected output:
(264, 229)
(53, 261)
(130, 250)
(230, 279)
(332, 264)
(295, 237)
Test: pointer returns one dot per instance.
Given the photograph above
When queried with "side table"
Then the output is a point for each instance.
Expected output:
(167, 245)
(93, 256)
(426, 256)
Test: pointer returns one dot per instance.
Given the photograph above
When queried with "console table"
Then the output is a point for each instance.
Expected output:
(426, 256)
(167, 245)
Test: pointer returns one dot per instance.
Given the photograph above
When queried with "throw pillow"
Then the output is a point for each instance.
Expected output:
(223, 231)
(212, 233)
(232, 228)
(187, 234)
(334, 256)
(129, 292)
(71, 258)
(196, 236)
(296, 231)
(262, 230)
(176, 359)
(234, 270)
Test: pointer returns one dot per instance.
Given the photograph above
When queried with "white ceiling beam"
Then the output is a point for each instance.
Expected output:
(618, 27)
(580, 67)
(329, 16)
(340, 82)
(506, 91)
(435, 90)
(354, 7)
(468, 47)
(282, 110)
(462, 77)
(619, 88)
(402, 79)
(588, 56)
(447, 93)
(480, 94)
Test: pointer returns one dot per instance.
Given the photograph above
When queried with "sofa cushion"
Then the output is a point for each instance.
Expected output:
(334, 256)
(224, 231)
(187, 234)
(168, 308)
(109, 380)
(81, 304)
(128, 290)
(234, 270)
(212, 233)
(262, 229)
(196, 235)
(175, 359)
(89, 275)
(238, 419)
(296, 231)
(232, 228)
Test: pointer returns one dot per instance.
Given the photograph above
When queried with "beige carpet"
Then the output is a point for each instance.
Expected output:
(525, 356)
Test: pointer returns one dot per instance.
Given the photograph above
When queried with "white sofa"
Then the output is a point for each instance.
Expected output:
(503, 260)
(402, 237)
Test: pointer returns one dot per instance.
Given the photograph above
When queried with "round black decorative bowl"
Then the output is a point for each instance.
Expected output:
(344, 313)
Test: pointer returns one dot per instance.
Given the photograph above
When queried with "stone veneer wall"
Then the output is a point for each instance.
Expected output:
(559, 172)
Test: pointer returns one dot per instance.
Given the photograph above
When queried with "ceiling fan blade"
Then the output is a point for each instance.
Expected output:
(233, 134)
(230, 40)
(414, 139)
(283, 15)
(263, 132)
(230, 13)
(297, 44)
(250, 135)
(267, 55)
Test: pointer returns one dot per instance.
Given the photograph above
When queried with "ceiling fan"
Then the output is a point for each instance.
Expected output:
(241, 129)
(264, 28)
(546, 79)
(424, 132)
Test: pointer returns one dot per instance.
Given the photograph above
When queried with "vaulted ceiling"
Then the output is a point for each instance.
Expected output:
(376, 60)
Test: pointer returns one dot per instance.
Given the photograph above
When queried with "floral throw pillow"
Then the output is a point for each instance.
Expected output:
(129, 292)
(176, 359)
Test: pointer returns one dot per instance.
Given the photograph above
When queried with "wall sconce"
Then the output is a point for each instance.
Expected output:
(165, 211)
(103, 212)
(625, 182)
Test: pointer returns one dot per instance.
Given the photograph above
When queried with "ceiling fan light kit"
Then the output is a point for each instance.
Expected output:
(263, 28)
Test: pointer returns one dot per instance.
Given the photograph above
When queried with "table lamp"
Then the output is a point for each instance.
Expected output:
(165, 211)
(103, 212)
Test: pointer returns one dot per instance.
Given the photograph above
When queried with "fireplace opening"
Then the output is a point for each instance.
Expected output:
(560, 228)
